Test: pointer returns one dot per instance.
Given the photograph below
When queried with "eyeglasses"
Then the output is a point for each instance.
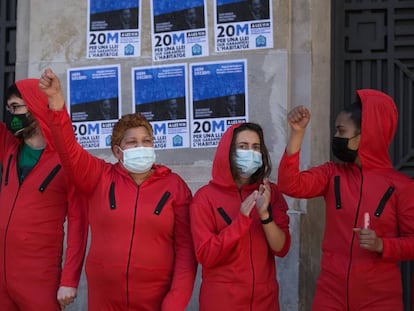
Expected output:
(12, 108)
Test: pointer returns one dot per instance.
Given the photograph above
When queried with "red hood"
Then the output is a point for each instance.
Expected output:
(221, 171)
(37, 104)
(379, 122)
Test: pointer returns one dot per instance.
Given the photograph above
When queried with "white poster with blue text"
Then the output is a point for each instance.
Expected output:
(94, 104)
(218, 100)
(160, 93)
(179, 29)
(114, 28)
(242, 25)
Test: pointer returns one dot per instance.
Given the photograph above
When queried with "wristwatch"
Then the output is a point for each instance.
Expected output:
(267, 220)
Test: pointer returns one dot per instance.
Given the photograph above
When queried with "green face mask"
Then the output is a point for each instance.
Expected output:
(16, 123)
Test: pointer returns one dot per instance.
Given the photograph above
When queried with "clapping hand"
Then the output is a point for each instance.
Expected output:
(248, 203)
(259, 198)
(263, 199)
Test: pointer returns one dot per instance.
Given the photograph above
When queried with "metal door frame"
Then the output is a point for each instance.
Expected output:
(8, 21)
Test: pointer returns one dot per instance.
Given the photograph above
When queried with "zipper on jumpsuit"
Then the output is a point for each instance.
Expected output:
(251, 259)
(253, 274)
(6, 229)
(130, 248)
(352, 242)
(42, 188)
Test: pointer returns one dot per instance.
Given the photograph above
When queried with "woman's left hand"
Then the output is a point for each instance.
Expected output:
(66, 295)
(369, 240)
(263, 199)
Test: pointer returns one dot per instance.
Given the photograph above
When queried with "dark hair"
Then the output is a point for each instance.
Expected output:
(12, 90)
(266, 168)
(29, 130)
(355, 112)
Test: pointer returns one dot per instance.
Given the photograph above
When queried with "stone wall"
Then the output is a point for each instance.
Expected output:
(296, 71)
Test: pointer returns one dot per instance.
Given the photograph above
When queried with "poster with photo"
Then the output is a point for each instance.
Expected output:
(113, 28)
(218, 99)
(179, 29)
(94, 104)
(160, 93)
(242, 25)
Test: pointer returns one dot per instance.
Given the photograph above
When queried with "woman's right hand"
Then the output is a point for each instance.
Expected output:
(298, 118)
(248, 203)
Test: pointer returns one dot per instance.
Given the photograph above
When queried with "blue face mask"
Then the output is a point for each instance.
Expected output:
(138, 160)
(248, 162)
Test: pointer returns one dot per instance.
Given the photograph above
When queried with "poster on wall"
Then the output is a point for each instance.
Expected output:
(218, 99)
(94, 104)
(179, 29)
(243, 25)
(160, 93)
(113, 28)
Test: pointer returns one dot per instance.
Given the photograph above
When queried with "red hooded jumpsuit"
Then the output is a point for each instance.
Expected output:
(32, 215)
(238, 265)
(353, 278)
(141, 255)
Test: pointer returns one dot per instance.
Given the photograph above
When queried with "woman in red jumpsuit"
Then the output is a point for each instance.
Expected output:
(141, 255)
(239, 223)
(35, 200)
(368, 229)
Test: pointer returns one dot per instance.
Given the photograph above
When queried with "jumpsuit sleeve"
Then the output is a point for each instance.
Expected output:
(281, 218)
(402, 248)
(84, 169)
(185, 264)
(214, 248)
(302, 184)
(76, 238)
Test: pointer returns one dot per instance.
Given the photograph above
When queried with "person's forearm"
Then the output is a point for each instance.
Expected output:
(57, 102)
(275, 236)
(295, 142)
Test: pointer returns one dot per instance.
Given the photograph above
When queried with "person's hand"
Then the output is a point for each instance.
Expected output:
(66, 295)
(248, 203)
(298, 118)
(369, 240)
(49, 84)
(263, 199)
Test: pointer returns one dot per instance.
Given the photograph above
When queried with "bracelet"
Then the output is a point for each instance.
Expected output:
(267, 220)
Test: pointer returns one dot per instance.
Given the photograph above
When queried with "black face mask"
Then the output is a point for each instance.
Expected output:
(341, 151)
(16, 123)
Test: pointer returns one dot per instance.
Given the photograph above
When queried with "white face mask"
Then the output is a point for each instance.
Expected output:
(138, 160)
(248, 162)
